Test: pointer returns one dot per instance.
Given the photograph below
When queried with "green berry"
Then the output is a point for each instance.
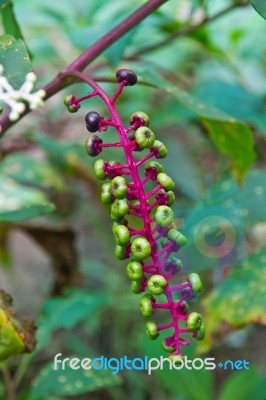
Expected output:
(156, 284)
(119, 187)
(165, 180)
(177, 237)
(139, 118)
(166, 347)
(144, 137)
(196, 282)
(164, 215)
(161, 150)
(106, 195)
(177, 359)
(120, 252)
(194, 321)
(134, 270)
(151, 330)
(136, 287)
(71, 108)
(171, 198)
(201, 333)
(119, 209)
(121, 234)
(99, 169)
(173, 265)
(146, 305)
(141, 248)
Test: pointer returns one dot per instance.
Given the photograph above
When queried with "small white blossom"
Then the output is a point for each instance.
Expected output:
(16, 98)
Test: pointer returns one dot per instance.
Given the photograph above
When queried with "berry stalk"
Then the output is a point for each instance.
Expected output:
(151, 265)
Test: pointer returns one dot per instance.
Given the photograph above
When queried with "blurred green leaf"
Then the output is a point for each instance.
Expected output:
(26, 169)
(226, 132)
(15, 60)
(259, 6)
(239, 386)
(70, 382)
(66, 312)
(18, 202)
(10, 23)
(239, 300)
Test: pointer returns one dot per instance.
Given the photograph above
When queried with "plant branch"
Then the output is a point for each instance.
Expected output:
(93, 52)
(188, 29)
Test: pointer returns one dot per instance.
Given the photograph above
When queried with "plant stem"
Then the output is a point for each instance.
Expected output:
(9, 388)
(92, 53)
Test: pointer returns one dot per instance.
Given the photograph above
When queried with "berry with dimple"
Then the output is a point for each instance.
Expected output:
(146, 305)
(127, 76)
(165, 180)
(141, 248)
(200, 334)
(121, 234)
(119, 187)
(92, 120)
(106, 195)
(194, 321)
(164, 215)
(136, 286)
(144, 137)
(93, 145)
(134, 270)
(119, 209)
(157, 284)
(160, 151)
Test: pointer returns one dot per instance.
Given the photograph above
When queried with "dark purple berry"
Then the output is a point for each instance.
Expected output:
(93, 145)
(92, 120)
(126, 76)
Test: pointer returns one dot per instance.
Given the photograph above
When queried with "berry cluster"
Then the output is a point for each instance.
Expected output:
(150, 246)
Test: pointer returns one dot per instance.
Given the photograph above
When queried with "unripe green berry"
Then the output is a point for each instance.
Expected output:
(70, 107)
(119, 187)
(151, 330)
(195, 282)
(164, 215)
(141, 248)
(201, 333)
(194, 321)
(166, 347)
(139, 118)
(146, 305)
(144, 137)
(106, 195)
(120, 252)
(161, 150)
(173, 265)
(134, 270)
(156, 284)
(171, 198)
(136, 287)
(165, 180)
(99, 169)
(121, 234)
(177, 237)
(119, 209)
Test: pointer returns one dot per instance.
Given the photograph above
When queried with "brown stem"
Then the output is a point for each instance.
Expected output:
(93, 52)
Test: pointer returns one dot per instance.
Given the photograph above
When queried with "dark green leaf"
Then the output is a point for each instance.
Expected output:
(15, 60)
(259, 6)
(10, 23)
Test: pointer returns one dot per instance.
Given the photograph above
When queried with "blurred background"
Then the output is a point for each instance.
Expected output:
(209, 66)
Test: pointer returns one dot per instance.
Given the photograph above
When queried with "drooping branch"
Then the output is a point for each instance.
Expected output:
(93, 52)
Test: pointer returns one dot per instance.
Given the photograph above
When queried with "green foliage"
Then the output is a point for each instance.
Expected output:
(239, 300)
(15, 59)
(10, 23)
(260, 7)
(17, 204)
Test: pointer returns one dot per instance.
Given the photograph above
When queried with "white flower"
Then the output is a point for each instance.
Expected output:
(16, 99)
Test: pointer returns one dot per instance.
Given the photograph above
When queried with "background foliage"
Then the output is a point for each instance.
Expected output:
(204, 88)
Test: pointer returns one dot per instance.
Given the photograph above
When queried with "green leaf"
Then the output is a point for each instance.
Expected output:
(15, 60)
(239, 386)
(233, 138)
(70, 382)
(10, 23)
(26, 169)
(240, 300)
(66, 312)
(19, 203)
(259, 6)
